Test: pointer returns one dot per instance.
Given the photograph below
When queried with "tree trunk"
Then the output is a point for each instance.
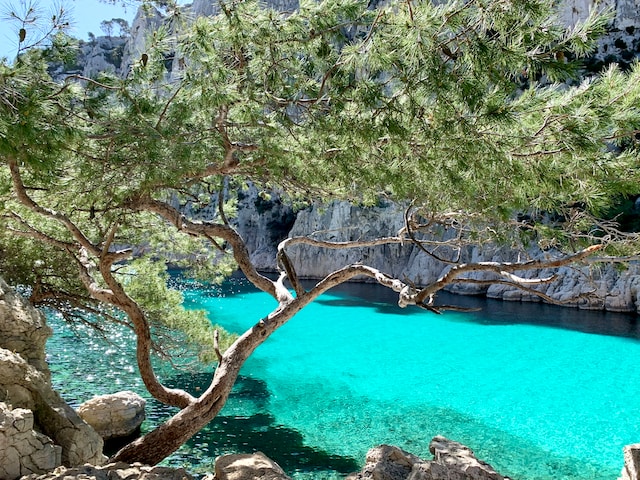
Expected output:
(171, 435)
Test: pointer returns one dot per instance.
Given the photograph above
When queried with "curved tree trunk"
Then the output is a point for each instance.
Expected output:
(168, 437)
(171, 435)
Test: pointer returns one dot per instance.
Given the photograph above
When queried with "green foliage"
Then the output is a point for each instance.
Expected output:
(146, 281)
(452, 106)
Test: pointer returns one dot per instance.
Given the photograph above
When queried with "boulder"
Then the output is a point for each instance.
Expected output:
(23, 329)
(119, 471)
(452, 461)
(115, 415)
(458, 462)
(631, 469)
(248, 467)
(386, 462)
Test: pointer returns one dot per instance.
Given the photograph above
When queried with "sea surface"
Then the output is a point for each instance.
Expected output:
(538, 391)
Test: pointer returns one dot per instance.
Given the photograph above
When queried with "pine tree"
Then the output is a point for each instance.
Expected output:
(468, 111)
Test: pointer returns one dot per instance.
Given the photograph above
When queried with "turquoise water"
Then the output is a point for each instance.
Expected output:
(539, 392)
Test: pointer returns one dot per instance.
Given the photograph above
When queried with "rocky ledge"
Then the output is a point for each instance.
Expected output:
(452, 461)
(38, 429)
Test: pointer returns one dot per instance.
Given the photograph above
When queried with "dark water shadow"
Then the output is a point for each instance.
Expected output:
(251, 430)
(285, 445)
(383, 308)
(494, 312)
(498, 312)
(248, 388)
(489, 311)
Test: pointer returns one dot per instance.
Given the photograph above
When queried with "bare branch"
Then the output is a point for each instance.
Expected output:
(31, 232)
(208, 230)
(339, 245)
(410, 225)
(166, 106)
(290, 272)
(27, 201)
(223, 216)
(86, 269)
(499, 268)
(216, 345)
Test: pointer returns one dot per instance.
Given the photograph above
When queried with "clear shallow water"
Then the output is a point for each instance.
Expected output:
(539, 392)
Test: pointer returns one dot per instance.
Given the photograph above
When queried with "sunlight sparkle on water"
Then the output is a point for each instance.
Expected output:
(352, 371)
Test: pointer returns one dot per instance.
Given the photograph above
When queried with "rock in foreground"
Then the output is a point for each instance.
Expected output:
(452, 461)
(112, 471)
(115, 415)
(248, 467)
(631, 469)
(38, 429)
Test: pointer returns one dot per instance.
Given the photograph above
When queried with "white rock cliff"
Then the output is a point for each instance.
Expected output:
(38, 430)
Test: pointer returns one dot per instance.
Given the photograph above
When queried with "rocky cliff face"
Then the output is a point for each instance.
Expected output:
(38, 430)
(621, 44)
(608, 287)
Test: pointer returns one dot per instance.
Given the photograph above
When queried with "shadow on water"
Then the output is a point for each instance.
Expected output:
(249, 388)
(489, 311)
(494, 312)
(498, 312)
(247, 429)
(259, 432)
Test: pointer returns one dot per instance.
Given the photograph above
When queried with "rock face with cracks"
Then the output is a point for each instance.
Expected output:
(38, 429)
(115, 415)
(248, 467)
(452, 461)
(114, 471)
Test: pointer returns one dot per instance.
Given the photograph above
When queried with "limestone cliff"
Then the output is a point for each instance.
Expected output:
(38, 430)
(614, 288)
(621, 44)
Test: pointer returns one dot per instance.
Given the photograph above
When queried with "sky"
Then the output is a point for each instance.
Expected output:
(86, 16)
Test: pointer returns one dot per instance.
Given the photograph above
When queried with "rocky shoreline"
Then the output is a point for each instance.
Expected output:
(613, 287)
(43, 438)
(452, 461)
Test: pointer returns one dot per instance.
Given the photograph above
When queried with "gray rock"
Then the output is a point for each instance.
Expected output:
(248, 467)
(113, 471)
(22, 328)
(38, 415)
(631, 469)
(116, 415)
(22, 449)
(52, 415)
(452, 461)
(386, 462)
(459, 461)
